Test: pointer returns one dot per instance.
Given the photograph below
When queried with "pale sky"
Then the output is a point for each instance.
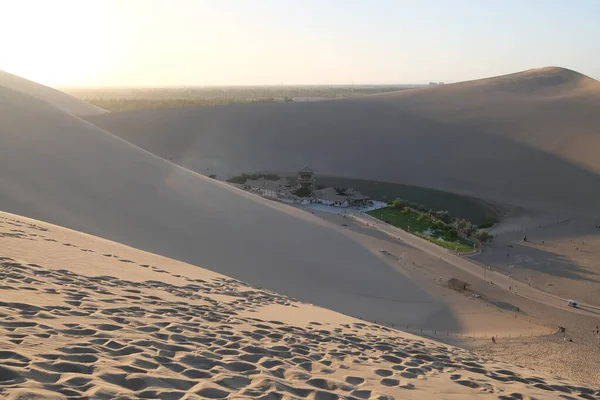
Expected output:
(255, 42)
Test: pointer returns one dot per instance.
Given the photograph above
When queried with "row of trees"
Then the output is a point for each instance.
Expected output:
(444, 221)
(128, 104)
(471, 231)
(244, 177)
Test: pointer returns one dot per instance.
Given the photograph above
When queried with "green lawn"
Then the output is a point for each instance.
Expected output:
(426, 228)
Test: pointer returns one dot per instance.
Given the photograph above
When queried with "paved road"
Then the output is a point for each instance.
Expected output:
(475, 269)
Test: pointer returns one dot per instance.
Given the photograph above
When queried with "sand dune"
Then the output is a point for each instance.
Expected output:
(54, 97)
(58, 168)
(528, 139)
(84, 317)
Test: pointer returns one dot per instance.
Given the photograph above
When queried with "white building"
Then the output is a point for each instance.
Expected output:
(268, 188)
(330, 197)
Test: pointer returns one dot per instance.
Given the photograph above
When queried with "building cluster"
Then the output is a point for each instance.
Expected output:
(304, 191)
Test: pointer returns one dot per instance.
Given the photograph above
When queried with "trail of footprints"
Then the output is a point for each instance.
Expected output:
(135, 344)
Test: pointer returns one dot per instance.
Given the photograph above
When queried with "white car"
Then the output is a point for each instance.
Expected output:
(573, 303)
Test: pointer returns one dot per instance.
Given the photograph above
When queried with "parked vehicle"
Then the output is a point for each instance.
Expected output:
(573, 303)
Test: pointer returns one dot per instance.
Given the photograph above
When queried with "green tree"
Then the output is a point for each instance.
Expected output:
(483, 236)
(397, 204)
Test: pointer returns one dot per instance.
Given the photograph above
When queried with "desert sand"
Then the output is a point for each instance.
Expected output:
(524, 320)
(84, 317)
(60, 169)
(527, 139)
(52, 96)
(561, 255)
(80, 312)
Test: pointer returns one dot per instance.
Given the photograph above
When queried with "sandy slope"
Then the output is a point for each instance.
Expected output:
(60, 169)
(527, 139)
(83, 317)
(54, 97)
(561, 256)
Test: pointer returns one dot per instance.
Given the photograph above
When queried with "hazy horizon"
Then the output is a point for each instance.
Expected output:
(272, 85)
(109, 43)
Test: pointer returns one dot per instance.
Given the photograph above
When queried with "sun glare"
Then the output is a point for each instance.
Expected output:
(56, 43)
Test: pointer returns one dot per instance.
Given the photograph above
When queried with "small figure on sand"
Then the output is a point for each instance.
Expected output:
(525, 238)
(494, 340)
(563, 330)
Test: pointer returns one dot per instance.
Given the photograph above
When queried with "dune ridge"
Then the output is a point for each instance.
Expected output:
(508, 139)
(52, 96)
(546, 81)
(103, 320)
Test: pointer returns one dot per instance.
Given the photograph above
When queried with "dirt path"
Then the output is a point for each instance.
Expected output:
(474, 268)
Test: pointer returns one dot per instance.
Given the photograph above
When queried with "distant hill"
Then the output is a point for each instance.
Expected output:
(529, 138)
(54, 97)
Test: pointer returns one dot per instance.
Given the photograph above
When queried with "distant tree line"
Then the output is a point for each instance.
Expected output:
(241, 179)
(121, 105)
(234, 92)
(128, 99)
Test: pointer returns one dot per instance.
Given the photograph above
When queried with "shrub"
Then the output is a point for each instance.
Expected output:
(459, 224)
(483, 236)
(270, 177)
(443, 216)
(421, 217)
(212, 176)
(405, 210)
(237, 179)
(397, 204)
(469, 228)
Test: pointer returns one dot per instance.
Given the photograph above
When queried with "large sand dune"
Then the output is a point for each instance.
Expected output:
(58, 168)
(82, 317)
(529, 138)
(54, 97)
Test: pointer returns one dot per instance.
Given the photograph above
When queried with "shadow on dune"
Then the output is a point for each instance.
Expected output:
(362, 138)
(60, 169)
(537, 260)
